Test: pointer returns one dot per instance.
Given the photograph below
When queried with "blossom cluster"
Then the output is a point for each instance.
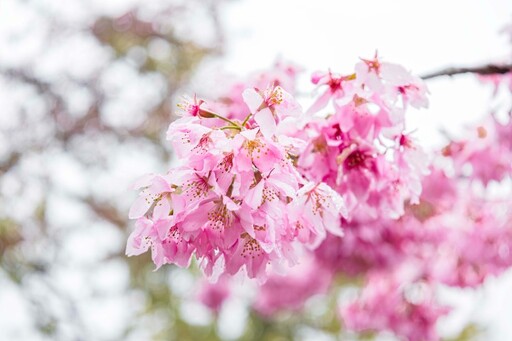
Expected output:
(236, 199)
(295, 198)
(361, 148)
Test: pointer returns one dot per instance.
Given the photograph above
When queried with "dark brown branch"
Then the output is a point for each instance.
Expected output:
(11, 161)
(106, 211)
(490, 69)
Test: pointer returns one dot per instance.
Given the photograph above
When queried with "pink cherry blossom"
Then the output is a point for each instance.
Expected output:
(213, 295)
(335, 88)
(290, 291)
(294, 200)
(405, 306)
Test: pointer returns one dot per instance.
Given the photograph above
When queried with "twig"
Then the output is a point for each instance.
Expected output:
(490, 69)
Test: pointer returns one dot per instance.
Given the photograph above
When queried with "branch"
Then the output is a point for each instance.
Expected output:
(490, 69)
(11, 161)
(107, 212)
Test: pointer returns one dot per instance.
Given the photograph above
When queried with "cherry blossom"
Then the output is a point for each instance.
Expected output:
(295, 199)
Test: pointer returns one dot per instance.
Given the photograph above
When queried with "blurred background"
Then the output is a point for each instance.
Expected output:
(87, 90)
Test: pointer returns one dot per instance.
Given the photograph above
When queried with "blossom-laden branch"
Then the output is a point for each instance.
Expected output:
(262, 186)
(485, 70)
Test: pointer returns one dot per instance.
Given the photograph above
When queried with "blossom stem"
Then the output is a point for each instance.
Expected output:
(233, 123)
(231, 127)
(246, 119)
(209, 114)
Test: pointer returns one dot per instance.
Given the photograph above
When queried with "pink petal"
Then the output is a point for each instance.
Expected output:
(137, 243)
(139, 207)
(162, 209)
(253, 99)
(254, 197)
(162, 227)
(266, 121)
(249, 134)
(143, 181)
(320, 103)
